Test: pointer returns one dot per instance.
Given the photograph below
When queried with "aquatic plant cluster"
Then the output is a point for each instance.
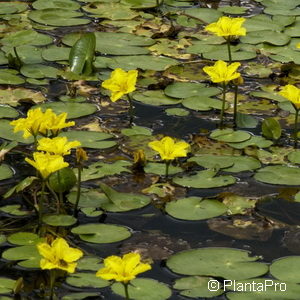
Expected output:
(70, 181)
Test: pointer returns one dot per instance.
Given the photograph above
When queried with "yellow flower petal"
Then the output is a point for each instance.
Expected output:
(292, 93)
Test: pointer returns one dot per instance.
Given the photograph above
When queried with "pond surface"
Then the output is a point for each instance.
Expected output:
(238, 187)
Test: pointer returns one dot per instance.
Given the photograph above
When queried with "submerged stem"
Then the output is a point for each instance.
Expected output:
(41, 201)
(78, 191)
(235, 104)
(223, 104)
(130, 109)
(296, 128)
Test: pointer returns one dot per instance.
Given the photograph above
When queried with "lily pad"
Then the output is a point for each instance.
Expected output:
(286, 269)
(65, 4)
(279, 175)
(8, 76)
(144, 289)
(136, 130)
(205, 179)
(89, 139)
(229, 135)
(86, 280)
(91, 263)
(74, 110)
(6, 285)
(195, 208)
(79, 296)
(54, 53)
(13, 209)
(218, 262)
(294, 157)
(156, 98)
(178, 112)
(59, 220)
(5, 172)
(255, 140)
(267, 36)
(160, 168)
(101, 233)
(202, 103)
(24, 238)
(196, 286)
(39, 71)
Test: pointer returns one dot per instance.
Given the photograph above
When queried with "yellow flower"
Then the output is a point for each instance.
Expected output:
(220, 72)
(169, 149)
(57, 145)
(58, 255)
(34, 124)
(120, 83)
(298, 45)
(292, 93)
(57, 122)
(47, 163)
(122, 269)
(227, 27)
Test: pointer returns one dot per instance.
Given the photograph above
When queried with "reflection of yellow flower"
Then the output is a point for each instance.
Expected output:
(58, 145)
(47, 163)
(220, 72)
(292, 93)
(120, 83)
(169, 149)
(298, 45)
(34, 124)
(122, 269)
(227, 27)
(59, 255)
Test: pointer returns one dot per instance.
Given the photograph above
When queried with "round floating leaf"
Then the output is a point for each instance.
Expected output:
(28, 54)
(160, 169)
(136, 130)
(144, 289)
(294, 157)
(62, 180)
(204, 14)
(85, 280)
(286, 269)
(74, 110)
(39, 71)
(195, 208)
(6, 132)
(22, 253)
(229, 135)
(262, 22)
(57, 17)
(54, 53)
(245, 121)
(24, 238)
(7, 112)
(155, 98)
(101, 233)
(91, 212)
(65, 4)
(236, 56)
(178, 112)
(202, 103)
(279, 175)
(89, 264)
(233, 10)
(140, 3)
(2, 239)
(13, 209)
(8, 76)
(218, 262)
(188, 89)
(6, 285)
(5, 172)
(266, 36)
(89, 139)
(12, 7)
(123, 201)
(255, 140)
(59, 220)
(196, 286)
(271, 128)
(144, 62)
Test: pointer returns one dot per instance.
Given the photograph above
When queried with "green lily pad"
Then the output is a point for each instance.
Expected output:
(279, 175)
(255, 140)
(39, 71)
(123, 201)
(245, 121)
(74, 110)
(271, 128)
(89, 264)
(27, 53)
(54, 53)
(85, 280)
(28, 254)
(156, 98)
(5, 172)
(218, 262)
(195, 208)
(26, 37)
(144, 289)
(229, 135)
(7, 111)
(59, 220)
(196, 286)
(139, 4)
(136, 130)
(160, 168)
(144, 62)
(238, 204)
(206, 15)
(227, 163)
(8, 76)
(89, 139)
(91, 212)
(178, 112)
(57, 17)
(12, 7)
(13, 209)
(236, 56)
(233, 10)
(101, 233)
(202, 103)
(205, 179)
(294, 157)
(101, 169)
(65, 4)
(2, 239)
(6, 285)
(261, 22)
(266, 36)
(24, 238)
(286, 269)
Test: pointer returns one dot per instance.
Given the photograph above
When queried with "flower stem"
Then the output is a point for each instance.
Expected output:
(296, 128)
(78, 191)
(229, 50)
(41, 201)
(60, 194)
(168, 162)
(130, 109)
(235, 104)
(52, 282)
(223, 104)
(126, 291)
